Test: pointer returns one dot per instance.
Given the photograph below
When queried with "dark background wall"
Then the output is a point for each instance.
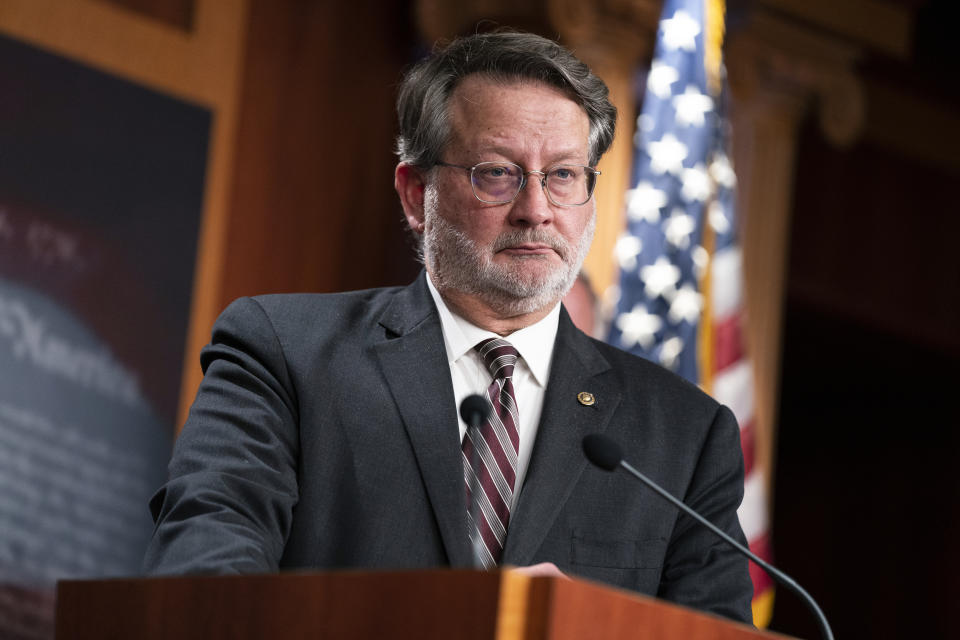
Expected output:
(314, 149)
(867, 499)
(866, 502)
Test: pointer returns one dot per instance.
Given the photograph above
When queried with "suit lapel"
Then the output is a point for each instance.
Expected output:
(415, 366)
(557, 459)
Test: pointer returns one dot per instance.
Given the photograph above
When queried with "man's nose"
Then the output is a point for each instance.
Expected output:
(531, 206)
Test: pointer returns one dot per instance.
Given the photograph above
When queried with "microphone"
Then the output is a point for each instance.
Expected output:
(605, 453)
(475, 410)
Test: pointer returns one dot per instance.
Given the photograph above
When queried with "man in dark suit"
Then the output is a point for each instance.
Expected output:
(325, 433)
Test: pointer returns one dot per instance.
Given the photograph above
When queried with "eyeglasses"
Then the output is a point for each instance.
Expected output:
(566, 185)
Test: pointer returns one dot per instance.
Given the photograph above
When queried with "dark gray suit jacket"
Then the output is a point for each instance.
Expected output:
(324, 435)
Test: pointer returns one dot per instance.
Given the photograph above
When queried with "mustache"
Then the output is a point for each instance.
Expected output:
(533, 236)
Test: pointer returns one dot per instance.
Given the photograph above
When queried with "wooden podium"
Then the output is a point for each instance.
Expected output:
(501, 605)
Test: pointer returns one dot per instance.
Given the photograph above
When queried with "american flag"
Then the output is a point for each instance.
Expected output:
(680, 295)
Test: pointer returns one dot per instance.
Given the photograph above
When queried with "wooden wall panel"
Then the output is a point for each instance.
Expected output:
(312, 203)
(176, 13)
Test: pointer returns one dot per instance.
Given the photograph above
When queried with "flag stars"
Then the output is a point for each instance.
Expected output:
(645, 201)
(701, 260)
(660, 78)
(696, 183)
(691, 107)
(670, 352)
(722, 171)
(626, 251)
(686, 305)
(667, 155)
(678, 228)
(680, 32)
(659, 278)
(717, 217)
(638, 327)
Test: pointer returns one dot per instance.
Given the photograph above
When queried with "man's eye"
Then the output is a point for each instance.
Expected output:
(496, 172)
(563, 173)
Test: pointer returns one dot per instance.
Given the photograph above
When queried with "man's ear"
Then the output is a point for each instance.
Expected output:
(410, 184)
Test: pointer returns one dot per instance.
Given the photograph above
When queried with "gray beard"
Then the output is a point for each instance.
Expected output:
(457, 263)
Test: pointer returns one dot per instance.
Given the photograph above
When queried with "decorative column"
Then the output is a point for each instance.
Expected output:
(777, 70)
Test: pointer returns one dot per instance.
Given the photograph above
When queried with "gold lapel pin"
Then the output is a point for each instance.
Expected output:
(586, 398)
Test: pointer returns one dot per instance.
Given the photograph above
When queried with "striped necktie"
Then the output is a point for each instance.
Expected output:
(497, 445)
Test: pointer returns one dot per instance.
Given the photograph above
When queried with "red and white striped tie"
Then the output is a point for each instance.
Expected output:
(497, 446)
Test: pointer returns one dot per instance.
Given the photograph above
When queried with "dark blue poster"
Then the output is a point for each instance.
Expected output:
(101, 186)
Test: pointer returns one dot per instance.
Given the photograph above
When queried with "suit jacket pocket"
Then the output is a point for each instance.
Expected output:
(621, 554)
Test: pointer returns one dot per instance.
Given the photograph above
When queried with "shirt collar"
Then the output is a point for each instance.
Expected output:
(533, 343)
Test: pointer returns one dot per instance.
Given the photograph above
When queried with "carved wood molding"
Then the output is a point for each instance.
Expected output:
(784, 57)
(878, 25)
(774, 63)
(619, 31)
(442, 19)
(607, 32)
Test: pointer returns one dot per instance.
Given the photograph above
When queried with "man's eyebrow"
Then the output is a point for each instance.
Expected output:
(562, 156)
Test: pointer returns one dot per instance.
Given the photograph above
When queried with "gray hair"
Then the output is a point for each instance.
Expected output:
(503, 55)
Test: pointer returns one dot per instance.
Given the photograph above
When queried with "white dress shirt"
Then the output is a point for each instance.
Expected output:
(470, 375)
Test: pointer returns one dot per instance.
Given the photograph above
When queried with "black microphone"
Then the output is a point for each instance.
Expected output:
(605, 453)
(475, 410)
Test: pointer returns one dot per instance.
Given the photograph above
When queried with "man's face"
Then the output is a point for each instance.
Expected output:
(519, 257)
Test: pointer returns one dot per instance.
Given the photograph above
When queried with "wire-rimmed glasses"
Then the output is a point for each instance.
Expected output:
(566, 185)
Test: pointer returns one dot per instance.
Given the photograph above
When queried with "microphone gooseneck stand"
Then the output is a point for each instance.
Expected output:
(605, 453)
